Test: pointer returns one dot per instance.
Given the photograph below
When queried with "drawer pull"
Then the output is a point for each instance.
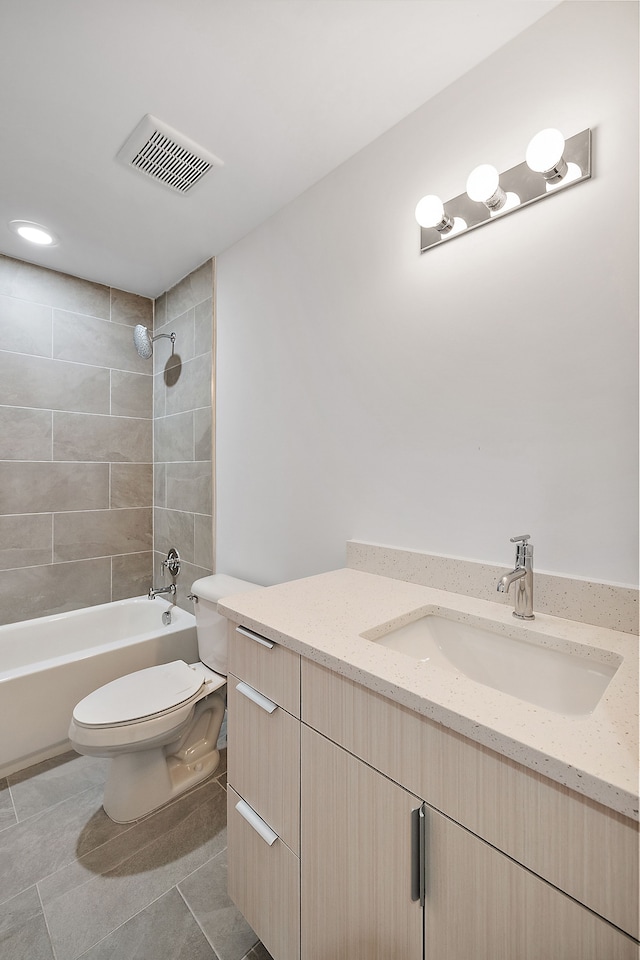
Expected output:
(258, 824)
(268, 705)
(255, 636)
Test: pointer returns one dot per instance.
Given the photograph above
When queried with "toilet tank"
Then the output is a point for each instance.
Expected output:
(210, 626)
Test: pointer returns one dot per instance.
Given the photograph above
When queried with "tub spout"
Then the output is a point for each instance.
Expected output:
(157, 591)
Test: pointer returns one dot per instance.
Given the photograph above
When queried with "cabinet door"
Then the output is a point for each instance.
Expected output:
(356, 860)
(481, 905)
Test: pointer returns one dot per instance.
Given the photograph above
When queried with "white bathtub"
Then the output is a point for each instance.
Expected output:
(48, 664)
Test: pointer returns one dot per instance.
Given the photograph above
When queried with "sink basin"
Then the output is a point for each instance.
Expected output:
(565, 681)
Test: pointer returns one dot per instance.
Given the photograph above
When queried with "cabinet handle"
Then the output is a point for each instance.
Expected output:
(268, 705)
(258, 824)
(255, 636)
(418, 854)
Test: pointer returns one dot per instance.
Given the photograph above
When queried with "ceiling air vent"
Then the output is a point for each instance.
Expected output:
(168, 157)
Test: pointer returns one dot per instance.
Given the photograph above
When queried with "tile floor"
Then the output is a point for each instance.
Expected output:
(73, 884)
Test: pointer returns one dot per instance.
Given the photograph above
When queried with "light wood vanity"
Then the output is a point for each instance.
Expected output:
(384, 833)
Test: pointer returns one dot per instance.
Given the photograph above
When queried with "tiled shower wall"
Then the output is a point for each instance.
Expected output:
(77, 476)
(75, 444)
(183, 495)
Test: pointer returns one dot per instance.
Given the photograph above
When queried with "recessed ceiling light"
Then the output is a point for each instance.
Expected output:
(34, 233)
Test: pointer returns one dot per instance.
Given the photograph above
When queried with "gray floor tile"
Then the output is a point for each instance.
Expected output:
(20, 909)
(259, 952)
(137, 881)
(115, 851)
(37, 847)
(27, 942)
(7, 813)
(165, 930)
(205, 893)
(23, 933)
(47, 783)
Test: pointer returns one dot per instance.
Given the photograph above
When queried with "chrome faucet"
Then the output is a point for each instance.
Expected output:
(522, 576)
(172, 564)
(157, 591)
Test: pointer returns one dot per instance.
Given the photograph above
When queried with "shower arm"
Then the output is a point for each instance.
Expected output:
(169, 336)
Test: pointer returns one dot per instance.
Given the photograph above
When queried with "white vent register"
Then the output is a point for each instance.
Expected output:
(167, 156)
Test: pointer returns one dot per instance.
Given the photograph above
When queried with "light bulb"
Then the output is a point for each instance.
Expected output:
(482, 182)
(544, 155)
(483, 186)
(34, 232)
(430, 213)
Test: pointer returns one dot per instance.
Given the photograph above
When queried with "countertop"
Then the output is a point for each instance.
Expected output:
(322, 618)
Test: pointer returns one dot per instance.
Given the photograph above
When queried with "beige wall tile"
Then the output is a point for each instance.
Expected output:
(55, 588)
(189, 573)
(39, 285)
(203, 434)
(173, 437)
(173, 528)
(131, 575)
(203, 542)
(25, 541)
(192, 388)
(49, 487)
(193, 289)
(25, 434)
(25, 327)
(131, 394)
(131, 485)
(52, 384)
(159, 484)
(85, 437)
(189, 487)
(99, 342)
(131, 308)
(203, 327)
(183, 327)
(101, 533)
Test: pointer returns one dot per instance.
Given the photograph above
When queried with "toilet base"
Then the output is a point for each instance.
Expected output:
(145, 780)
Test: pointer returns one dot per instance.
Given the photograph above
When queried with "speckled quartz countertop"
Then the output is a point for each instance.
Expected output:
(323, 617)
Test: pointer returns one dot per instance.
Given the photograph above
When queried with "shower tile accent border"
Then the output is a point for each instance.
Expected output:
(587, 601)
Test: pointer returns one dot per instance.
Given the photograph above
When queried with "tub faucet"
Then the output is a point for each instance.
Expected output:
(522, 576)
(157, 591)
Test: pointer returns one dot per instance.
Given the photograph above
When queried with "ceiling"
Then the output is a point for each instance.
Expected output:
(283, 91)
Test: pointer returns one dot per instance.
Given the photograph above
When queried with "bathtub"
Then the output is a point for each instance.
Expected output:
(48, 664)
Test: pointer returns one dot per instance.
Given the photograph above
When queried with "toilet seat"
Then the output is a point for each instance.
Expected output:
(140, 695)
(116, 716)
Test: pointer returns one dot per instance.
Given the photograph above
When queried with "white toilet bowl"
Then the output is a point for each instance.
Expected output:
(160, 726)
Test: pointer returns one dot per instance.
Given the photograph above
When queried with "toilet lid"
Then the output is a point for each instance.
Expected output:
(139, 695)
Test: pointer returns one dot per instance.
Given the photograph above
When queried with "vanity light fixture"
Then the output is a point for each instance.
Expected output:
(551, 163)
(34, 233)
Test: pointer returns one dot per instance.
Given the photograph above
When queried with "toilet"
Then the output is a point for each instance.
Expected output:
(160, 726)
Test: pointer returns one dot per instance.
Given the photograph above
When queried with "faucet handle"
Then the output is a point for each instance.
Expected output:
(521, 539)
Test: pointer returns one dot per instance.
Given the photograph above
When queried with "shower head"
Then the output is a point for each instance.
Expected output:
(144, 341)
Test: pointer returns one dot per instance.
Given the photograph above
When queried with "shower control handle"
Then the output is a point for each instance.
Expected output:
(172, 563)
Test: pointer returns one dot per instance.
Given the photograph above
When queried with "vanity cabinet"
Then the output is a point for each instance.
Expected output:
(263, 798)
(358, 864)
(486, 821)
(513, 865)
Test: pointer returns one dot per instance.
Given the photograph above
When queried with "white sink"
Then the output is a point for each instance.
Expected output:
(565, 681)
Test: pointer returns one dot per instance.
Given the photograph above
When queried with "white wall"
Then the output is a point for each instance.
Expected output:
(447, 401)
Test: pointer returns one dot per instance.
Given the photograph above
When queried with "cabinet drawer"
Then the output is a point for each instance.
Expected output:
(264, 760)
(266, 666)
(264, 883)
(578, 845)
